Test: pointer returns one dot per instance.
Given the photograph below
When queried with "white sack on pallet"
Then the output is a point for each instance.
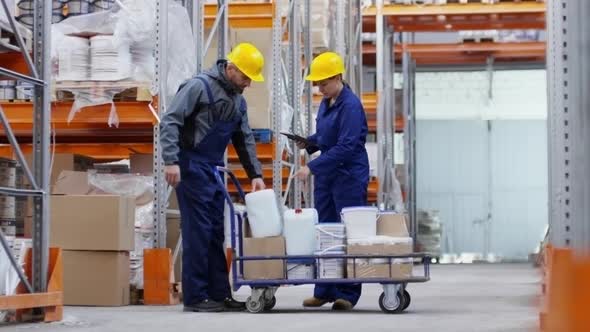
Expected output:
(133, 27)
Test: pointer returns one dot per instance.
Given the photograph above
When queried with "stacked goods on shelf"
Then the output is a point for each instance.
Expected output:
(321, 13)
(24, 11)
(429, 232)
(8, 203)
(109, 62)
(73, 59)
(120, 53)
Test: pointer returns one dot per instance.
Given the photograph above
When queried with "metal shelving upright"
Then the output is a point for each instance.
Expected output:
(568, 76)
(40, 70)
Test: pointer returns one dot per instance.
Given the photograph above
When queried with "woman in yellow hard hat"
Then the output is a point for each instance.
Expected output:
(205, 114)
(342, 170)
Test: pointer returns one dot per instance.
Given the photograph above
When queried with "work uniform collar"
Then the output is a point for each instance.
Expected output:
(218, 74)
(340, 99)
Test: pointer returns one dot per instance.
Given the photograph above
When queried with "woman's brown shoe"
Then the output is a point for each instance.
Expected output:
(314, 302)
(341, 304)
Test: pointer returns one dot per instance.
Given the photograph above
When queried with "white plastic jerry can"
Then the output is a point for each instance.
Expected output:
(299, 231)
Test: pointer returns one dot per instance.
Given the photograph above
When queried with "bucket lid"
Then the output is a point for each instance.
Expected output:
(360, 208)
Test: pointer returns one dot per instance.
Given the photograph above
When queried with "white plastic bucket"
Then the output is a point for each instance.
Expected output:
(300, 270)
(330, 268)
(360, 221)
(299, 231)
(329, 235)
(263, 213)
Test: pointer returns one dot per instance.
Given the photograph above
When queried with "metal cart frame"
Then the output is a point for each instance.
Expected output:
(394, 299)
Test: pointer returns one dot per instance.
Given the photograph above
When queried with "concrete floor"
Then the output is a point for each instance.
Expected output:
(469, 298)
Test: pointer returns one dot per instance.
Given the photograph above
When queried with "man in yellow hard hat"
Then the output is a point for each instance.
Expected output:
(342, 170)
(207, 112)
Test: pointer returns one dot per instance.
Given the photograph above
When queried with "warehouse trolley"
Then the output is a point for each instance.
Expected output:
(394, 299)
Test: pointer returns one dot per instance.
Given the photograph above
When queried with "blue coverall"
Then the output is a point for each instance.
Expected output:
(341, 171)
(207, 112)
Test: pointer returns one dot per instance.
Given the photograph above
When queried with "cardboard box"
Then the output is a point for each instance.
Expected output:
(96, 278)
(365, 269)
(96, 222)
(394, 225)
(64, 162)
(141, 163)
(380, 249)
(397, 271)
(72, 183)
(266, 246)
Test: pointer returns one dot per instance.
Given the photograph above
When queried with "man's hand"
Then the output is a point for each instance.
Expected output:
(258, 184)
(301, 144)
(172, 174)
(302, 173)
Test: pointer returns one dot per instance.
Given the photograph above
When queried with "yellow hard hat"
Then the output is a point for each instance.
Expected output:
(325, 65)
(249, 61)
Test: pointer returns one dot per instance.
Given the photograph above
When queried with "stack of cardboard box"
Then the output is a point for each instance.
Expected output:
(96, 235)
(391, 225)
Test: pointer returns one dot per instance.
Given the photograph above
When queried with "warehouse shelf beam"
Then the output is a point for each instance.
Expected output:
(243, 14)
(464, 53)
(453, 17)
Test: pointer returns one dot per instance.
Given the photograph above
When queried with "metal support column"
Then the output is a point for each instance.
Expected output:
(41, 140)
(198, 21)
(569, 103)
(381, 104)
(277, 88)
(39, 179)
(340, 27)
(161, 84)
(308, 193)
(354, 65)
(223, 45)
(389, 112)
(294, 87)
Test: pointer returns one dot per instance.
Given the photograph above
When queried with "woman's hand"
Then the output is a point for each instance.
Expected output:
(302, 173)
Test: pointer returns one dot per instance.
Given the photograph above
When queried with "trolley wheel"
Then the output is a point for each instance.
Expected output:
(407, 299)
(392, 307)
(270, 304)
(255, 306)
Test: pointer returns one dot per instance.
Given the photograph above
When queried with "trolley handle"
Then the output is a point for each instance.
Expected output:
(221, 169)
